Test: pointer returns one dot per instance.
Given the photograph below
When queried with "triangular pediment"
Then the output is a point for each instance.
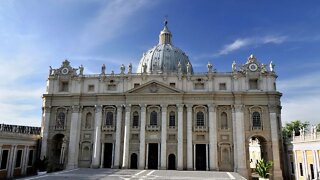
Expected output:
(155, 87)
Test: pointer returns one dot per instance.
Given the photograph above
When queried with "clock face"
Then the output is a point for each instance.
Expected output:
(65, 71)
(253, 67)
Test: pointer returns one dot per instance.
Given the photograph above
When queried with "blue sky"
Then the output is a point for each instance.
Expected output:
(37, 34)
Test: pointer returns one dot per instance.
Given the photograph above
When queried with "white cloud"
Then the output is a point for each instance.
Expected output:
(252, 41)
(110, 21)
(301, 98)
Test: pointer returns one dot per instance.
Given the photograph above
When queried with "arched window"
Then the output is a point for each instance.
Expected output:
(60, 120)
(135, 121)
(172, 119)
(224, 121)
(200, 118)
(109, 119)
(88, 120)
(153, 118)
(256, 120)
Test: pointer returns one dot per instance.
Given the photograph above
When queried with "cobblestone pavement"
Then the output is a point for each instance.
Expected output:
(129, 174)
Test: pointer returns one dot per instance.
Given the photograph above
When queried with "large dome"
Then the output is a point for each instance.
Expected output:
(164, 57)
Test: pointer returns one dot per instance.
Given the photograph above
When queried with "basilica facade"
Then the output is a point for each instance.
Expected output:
(163, 116)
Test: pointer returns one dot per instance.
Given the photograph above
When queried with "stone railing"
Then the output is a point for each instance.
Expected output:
(306, 137)
(153, 128)
(200, 129)
(20, 129)
(108, 128)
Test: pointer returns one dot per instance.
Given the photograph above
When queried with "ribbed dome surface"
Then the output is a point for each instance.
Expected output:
(164, 57)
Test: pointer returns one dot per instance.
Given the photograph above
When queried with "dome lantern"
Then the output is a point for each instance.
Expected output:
(165, 34)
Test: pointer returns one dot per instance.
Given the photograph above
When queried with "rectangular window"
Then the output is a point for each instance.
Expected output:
(301, 169)
(30, 158)
(292, 168)
(112, 87)
(4, 159)
(90, 88)
(222, 86)
(199, 86)
(18, 158)
(312, 171)
(136, 85)
(173, 85)
(253, 84)
(64, 86)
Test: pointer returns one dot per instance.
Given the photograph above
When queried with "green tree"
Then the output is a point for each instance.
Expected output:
(293, 126)
(318, 127)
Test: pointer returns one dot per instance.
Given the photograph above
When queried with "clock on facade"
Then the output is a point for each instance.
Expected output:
(253, 67)
(65, 71)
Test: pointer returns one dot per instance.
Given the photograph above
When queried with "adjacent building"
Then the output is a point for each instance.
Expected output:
(164, 116)
(18, 150)
(304, 155)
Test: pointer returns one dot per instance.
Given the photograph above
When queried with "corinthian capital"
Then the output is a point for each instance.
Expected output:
(238, 107)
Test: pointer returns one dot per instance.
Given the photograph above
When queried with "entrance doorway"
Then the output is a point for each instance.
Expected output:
(134, 161)
(201, 157)
(107, 160)
(153, 156)
(172, 162)
(258, 149)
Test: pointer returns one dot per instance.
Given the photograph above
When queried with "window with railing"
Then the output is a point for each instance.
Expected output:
(200, 119)
(135, 120)
(109, 119)
(172, 119)
(153, 118)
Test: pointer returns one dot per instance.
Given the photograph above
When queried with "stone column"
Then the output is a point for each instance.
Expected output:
(296, 169)
(189, 137)
(73, 149)
(234, 138)
(213, 138)
(11, 159)
(277, 172)
(118, 138)
(142, 148)
(147, 156)
(207, 158)
(25, 160)
(241, 142)
(102, 155)
(180, 137)
(125, 159)
(45, 130)
(305, 164)
(163, 136)
(315, 163)
(194, 156)
(97, 138)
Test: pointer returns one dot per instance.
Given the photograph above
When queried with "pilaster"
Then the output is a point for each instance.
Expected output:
(125, 159)
(213, 156)
(189, 137)
(180, 137)
(118, 137)
(45, 130)
(142, 147)
(241, 143)
(73, 143)
(277, 171)
(163, 136)
(97, 138)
